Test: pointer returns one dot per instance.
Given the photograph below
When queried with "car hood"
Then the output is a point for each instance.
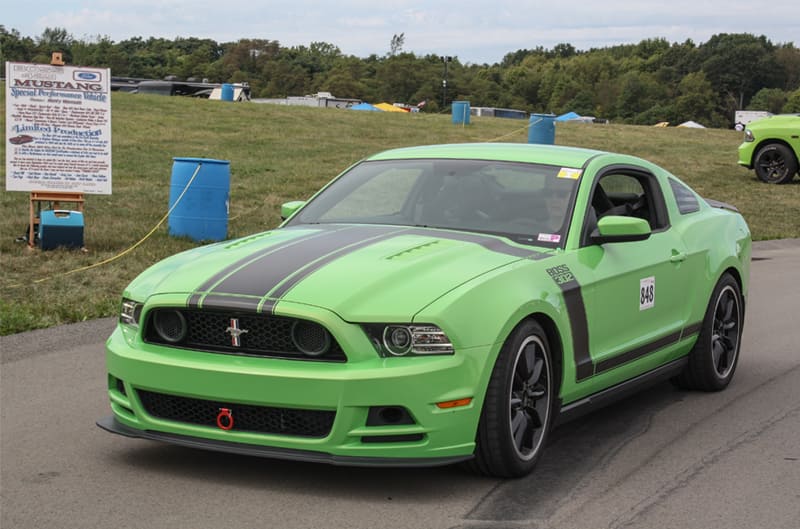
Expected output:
(362, 273)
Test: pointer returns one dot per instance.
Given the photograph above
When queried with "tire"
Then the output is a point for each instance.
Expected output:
(775, 164)
(519, 406)
(712, 361)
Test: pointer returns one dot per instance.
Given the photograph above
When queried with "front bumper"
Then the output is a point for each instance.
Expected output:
(745, 152)
(349, 390)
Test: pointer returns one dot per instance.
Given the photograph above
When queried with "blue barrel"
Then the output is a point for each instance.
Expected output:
(227, 92)
(542, 129)
(202, 212)
(460, 111)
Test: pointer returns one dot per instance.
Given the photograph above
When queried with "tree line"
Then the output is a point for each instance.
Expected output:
(643, 83)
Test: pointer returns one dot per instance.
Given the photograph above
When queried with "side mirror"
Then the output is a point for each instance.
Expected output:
(614, 228)
(290, 208)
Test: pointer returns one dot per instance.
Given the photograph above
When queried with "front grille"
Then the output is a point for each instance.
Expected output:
(246, 418)
(266, 335)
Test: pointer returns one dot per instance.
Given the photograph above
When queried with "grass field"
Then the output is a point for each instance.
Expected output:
(281, 153)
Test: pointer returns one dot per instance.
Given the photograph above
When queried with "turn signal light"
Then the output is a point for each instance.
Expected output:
(454, 403)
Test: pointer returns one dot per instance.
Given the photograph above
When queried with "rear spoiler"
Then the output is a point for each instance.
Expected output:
(721, 205)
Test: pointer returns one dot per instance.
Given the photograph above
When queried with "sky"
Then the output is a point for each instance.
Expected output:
(475, 31)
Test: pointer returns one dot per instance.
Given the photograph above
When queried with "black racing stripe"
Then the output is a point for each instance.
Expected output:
(578, 323)
(576, 310)
(493, 244)
(638, 352)
(194, 299)
(648, 348)
(301, 274)
(258, 278)
(223, 302)
(692, 329)
(268, 306)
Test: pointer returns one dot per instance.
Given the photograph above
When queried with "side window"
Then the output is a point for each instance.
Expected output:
(629, 193)
(685, 199)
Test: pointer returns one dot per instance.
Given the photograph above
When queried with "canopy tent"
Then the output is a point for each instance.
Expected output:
(386, 107)
(568, 116)
(365, 106)
(574, 116)
(691, 125)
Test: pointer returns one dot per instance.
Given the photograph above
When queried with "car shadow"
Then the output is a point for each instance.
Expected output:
(574, 449)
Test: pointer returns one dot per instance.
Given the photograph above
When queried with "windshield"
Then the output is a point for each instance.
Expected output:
(526, 202)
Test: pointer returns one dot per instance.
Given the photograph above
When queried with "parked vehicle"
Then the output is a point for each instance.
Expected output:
(771, 146)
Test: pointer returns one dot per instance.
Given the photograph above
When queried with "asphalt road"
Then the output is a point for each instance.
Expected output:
(662, 459)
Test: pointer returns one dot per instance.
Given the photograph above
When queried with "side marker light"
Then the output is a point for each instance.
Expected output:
(454, 403)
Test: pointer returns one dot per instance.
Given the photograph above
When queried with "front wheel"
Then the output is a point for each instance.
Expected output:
(775, 164)
(713, 359)
(518, 409)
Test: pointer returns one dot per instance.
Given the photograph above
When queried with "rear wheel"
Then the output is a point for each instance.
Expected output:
(518, 409)
(713, 359)
(775, 164)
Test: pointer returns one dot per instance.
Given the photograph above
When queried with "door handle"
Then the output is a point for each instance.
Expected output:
(677, 257)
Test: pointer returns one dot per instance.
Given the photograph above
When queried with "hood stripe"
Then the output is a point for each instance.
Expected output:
(256, 279)
(295, 278)
(194, 299)
(244, 303)
(241, 284)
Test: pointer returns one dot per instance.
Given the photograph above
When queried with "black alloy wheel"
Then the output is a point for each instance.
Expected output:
(726, 332)
(775, 164)
(713, 359)
(518, 411)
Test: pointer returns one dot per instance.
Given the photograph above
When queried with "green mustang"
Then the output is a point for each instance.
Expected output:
(433, 305)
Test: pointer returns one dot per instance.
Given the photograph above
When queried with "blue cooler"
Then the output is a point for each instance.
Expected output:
(60, 228)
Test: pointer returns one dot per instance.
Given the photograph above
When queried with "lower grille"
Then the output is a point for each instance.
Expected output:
(245, 418)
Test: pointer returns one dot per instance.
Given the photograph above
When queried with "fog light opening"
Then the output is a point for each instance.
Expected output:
(389, 416)
(170, 325)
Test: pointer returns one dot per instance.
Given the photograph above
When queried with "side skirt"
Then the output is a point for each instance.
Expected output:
(607, 396)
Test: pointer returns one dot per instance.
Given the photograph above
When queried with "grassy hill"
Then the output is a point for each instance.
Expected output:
(281, 153)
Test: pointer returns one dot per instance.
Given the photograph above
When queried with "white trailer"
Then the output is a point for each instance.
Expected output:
(743, 117)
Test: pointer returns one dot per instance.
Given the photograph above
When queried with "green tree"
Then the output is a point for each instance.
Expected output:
(51, 40)
(739, 65)
(638, 93)
(792, 102)
(696, 99)
(788, 59)
(345, 78)
(14, 47)
(769, 99)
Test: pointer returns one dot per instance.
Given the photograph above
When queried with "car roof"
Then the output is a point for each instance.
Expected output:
(513, 152)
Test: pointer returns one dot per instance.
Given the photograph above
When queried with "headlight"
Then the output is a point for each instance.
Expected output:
(130, 311)
(408, 339)
(748, 135)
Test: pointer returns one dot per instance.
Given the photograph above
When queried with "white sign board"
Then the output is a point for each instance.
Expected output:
(58, 128)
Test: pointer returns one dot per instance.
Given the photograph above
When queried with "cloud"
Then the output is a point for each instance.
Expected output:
(475, 31)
